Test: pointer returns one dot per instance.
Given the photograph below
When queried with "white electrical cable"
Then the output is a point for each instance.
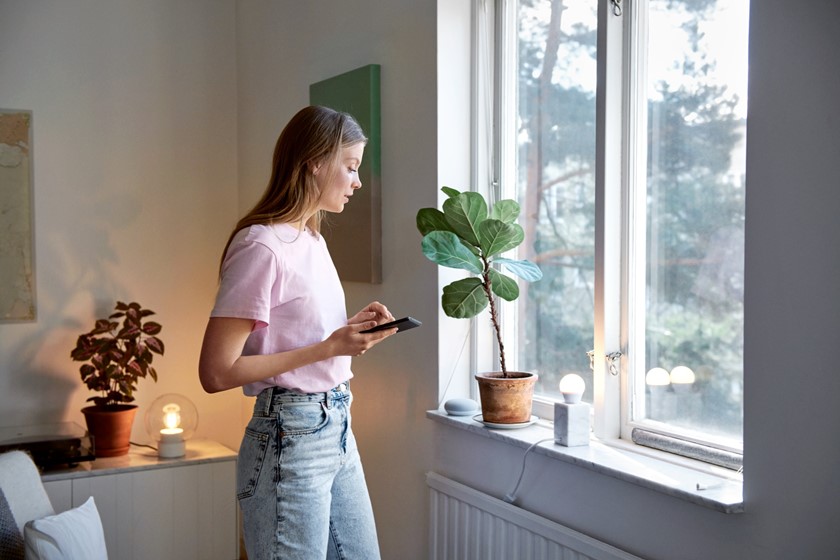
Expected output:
(511, 496)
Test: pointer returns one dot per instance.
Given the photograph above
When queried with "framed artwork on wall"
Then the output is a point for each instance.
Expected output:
(17, 258)
(355, 235)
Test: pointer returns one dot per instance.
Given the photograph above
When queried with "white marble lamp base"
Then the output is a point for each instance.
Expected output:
(571, 424)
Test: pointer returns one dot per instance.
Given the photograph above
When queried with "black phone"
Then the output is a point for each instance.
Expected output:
(401, 324)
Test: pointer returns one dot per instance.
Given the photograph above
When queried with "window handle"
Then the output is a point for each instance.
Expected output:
(613, 359)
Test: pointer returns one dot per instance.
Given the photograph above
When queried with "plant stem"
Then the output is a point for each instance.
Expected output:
(494, 318)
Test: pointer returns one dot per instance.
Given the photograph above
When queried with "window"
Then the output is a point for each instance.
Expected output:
(620, 129)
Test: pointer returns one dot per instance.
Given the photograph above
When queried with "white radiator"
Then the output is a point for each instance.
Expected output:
(469, 525)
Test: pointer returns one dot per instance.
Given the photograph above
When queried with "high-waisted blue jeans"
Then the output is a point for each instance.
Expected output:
(300, 482)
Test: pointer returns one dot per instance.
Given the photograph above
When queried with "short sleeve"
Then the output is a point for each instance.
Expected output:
(248, 276)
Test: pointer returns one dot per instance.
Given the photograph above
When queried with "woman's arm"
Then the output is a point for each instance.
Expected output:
(222, 366)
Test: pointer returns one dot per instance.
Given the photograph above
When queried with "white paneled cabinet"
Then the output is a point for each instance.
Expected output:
(158, 508)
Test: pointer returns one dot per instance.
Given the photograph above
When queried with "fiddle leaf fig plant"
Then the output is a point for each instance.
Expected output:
(118, 355)
(469, 235)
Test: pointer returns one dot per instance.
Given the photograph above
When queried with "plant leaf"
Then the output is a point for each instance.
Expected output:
(102, 326)
(87, 370)
(155, 345)
(525, 269)
(503, 286)
(497, 237)
(445, 248)
(464, 213)
(151, 328)
(506, 211)
(431, 219)
(128, 331)
(450, 192)
(464, 298)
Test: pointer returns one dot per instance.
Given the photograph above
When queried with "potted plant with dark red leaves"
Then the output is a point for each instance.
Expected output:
(117, 352)
(469, 235)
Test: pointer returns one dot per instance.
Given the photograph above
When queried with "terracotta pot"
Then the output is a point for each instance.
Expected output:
(506, 400)
(110, 427)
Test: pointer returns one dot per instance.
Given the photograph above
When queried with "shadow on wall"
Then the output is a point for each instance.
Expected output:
(76, 283)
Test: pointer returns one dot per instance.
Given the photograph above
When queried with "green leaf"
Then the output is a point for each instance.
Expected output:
(464, 213)
(497, 237)
(525, 269)
(450, 192)
(431, 219)
(506, 211)
(503, 286)
(445, 249)
(464, 298)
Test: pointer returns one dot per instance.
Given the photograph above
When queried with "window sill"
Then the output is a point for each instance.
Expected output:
(687, 480)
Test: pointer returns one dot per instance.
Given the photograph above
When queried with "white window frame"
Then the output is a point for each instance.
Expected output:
(620, 131)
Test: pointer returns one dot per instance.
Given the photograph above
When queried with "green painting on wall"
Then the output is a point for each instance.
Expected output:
(354, 236)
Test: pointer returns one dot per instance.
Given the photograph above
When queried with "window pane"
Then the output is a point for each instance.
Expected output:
(556, 185)
(696, 103)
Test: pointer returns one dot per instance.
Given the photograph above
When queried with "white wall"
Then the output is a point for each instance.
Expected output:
(142, 136)
(134, 107)
(792, 326)
(154, 127)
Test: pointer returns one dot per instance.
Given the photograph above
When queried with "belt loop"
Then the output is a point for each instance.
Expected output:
(267, 396)
(327, 400)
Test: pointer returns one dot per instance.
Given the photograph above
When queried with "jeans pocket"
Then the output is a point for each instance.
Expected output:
(298, 419)
(251, 459)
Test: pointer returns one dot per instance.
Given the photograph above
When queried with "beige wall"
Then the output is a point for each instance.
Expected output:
(154, 126)
(134, 107)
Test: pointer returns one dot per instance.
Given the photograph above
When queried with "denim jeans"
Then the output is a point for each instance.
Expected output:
(300, 482)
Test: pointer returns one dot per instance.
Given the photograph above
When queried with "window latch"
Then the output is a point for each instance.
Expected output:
(616, 7)
(613, 359)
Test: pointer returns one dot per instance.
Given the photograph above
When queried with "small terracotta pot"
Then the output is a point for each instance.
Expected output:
(506, 400)
(110, 427)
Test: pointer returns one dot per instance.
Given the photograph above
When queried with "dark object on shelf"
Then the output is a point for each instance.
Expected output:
(51, 446)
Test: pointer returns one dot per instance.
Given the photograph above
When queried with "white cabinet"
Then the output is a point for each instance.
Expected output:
(158, 508)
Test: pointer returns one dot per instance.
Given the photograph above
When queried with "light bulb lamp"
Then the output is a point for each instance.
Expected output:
(170, 421)
(682, 378)
(571, 417)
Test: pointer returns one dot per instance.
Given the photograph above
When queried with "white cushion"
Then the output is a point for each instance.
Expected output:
(21, 483)
(76, 533)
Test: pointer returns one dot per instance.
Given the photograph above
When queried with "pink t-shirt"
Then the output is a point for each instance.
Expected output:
(285, 280)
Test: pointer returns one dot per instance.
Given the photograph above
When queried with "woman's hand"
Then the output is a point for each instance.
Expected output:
(349, 341)
(374, 311)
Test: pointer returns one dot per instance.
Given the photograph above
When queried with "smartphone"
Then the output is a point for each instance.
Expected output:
(402, 325)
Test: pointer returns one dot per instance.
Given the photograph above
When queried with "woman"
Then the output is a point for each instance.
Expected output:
(279, 330)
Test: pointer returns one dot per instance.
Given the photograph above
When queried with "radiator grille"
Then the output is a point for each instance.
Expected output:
(469, 525)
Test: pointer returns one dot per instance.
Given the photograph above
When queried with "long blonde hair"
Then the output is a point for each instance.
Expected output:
(314, 136)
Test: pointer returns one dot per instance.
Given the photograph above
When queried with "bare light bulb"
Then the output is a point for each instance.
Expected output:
(657, 377)
(172, 416)
(682, 375)
(172, 436)
(572, 387)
